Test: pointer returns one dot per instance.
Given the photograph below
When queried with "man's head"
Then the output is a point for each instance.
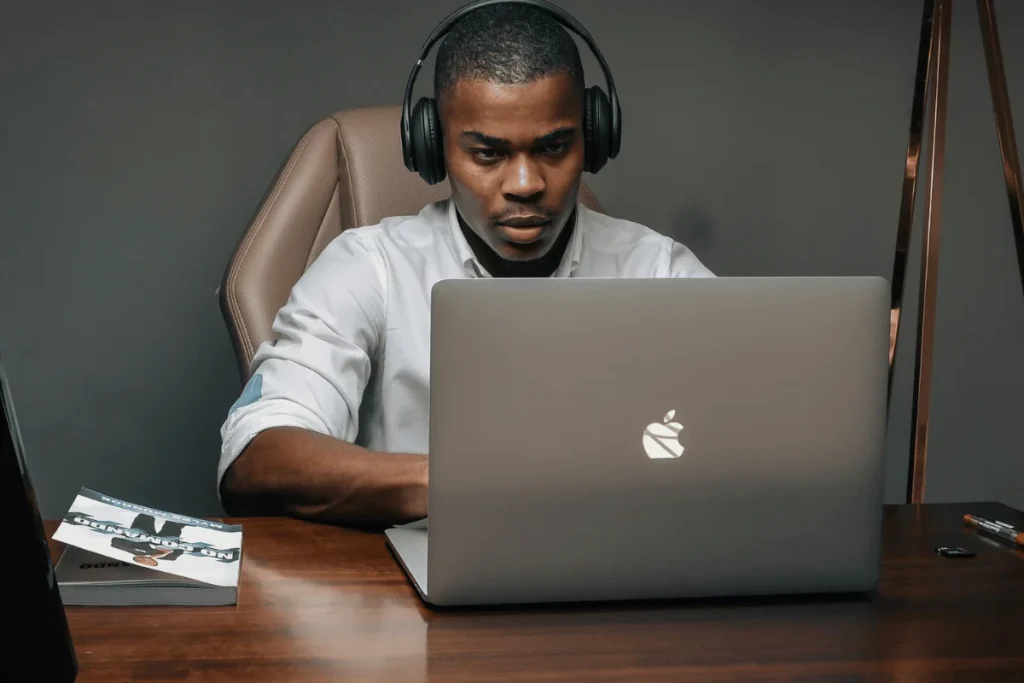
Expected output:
(510, 92)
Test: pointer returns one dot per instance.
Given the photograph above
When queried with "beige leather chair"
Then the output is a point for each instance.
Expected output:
(346, 171)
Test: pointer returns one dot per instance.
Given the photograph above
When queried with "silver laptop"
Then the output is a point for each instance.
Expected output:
(609, 439)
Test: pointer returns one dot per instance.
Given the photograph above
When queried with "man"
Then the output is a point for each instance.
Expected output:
(333, 424)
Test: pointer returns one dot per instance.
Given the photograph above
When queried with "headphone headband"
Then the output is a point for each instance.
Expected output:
(560, 15)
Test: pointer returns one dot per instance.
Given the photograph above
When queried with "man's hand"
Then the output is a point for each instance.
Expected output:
(305, 474)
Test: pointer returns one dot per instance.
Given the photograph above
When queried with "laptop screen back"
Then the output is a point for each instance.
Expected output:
(37, 644)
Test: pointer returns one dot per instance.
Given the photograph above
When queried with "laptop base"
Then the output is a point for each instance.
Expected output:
(410, 548)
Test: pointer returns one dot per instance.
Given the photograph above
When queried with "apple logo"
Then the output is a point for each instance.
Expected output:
(662, 440)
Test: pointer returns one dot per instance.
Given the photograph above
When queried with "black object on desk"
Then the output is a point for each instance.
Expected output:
(36, 644)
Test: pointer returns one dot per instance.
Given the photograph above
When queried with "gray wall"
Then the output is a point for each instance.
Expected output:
(138, 139)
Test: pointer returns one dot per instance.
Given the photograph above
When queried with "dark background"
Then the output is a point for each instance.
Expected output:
(138, 138)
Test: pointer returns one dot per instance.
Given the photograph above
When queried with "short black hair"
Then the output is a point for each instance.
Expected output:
(506, 43)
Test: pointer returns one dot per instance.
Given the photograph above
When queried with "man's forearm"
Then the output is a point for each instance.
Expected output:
(297, 472)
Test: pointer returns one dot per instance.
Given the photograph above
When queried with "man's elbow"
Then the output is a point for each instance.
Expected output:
(246, 490)
(232, 494)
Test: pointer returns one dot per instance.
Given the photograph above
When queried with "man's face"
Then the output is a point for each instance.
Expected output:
(514, 156)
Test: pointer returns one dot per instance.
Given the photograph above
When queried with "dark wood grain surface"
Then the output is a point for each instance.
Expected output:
(319, 603)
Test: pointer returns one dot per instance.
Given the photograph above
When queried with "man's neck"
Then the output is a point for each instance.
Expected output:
(545, 266)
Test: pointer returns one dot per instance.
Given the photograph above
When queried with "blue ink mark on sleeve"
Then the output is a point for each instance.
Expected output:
(253, 392)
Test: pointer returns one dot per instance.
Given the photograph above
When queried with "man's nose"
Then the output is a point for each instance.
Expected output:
(524, 178)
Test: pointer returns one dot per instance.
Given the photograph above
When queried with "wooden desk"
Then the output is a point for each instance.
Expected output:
(324, 604)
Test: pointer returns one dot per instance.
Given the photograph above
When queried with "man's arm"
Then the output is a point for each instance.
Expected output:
(288, 442)
(684, 263)
(301, 473)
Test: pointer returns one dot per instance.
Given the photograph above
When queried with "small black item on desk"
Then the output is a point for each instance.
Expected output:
(952, 551)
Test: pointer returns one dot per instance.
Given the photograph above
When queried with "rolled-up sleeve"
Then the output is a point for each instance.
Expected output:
(313, 374)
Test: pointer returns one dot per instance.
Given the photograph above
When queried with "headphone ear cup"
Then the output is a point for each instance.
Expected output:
(427, 148)
(597, 134)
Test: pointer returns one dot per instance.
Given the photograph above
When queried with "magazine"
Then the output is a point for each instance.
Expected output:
(120, 553)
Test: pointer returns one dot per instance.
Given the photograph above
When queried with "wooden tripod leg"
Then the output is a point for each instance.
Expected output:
(927, 294)
(1004, 124)
(930, 96)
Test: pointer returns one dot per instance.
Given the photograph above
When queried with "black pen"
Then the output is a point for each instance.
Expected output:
(1004, 531)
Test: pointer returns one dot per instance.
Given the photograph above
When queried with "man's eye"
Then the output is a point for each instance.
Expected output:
(554, 149)
(487, 154)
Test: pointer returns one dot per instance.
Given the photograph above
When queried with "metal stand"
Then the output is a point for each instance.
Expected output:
(930, 91)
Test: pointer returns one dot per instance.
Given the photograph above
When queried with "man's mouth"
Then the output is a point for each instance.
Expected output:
(523, 229)
(525, 221)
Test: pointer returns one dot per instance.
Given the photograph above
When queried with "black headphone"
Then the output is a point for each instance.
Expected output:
(421, 126)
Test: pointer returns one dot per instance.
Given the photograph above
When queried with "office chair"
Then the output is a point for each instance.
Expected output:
(346, 171)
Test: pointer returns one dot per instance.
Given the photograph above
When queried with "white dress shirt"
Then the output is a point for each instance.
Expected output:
(351, 357)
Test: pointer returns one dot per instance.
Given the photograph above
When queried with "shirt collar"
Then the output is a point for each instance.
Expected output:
(467, 259)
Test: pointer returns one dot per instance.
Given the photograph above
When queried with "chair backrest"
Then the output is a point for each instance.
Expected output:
(346, 171)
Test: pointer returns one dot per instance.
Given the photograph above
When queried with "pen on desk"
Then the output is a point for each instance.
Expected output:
(1008, 527)
(1004, 531)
